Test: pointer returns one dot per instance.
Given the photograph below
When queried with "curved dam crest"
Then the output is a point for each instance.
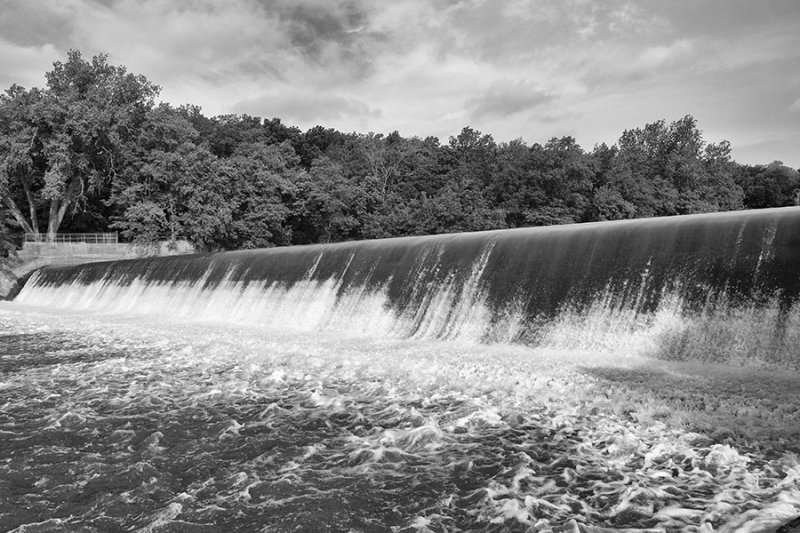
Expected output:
(601, 281)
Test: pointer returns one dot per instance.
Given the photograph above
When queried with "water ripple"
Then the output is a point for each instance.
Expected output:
(113, 425)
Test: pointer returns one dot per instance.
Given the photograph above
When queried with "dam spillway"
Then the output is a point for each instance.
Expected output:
(505, 285)
(131, 403)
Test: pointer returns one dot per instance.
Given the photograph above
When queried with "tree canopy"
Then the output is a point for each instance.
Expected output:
(60, 148)
(94, 151)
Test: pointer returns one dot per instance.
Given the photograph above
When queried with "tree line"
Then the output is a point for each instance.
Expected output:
(94, 152)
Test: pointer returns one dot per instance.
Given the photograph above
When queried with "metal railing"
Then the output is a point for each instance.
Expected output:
(89, 238)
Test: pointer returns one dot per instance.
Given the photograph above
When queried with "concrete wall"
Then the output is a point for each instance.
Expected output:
(34, 255)
(99, 252)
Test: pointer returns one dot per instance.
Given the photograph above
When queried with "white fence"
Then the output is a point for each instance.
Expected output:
(88, 238)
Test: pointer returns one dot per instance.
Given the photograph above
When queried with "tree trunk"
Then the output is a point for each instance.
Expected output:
(54, 220)
(58, 208)
(17, 214)
(26, 186)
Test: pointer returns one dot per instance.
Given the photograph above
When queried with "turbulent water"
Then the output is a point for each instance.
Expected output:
(636, 375)
(116, 422)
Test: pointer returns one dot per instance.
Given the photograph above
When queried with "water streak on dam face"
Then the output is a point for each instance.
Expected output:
(502, 285)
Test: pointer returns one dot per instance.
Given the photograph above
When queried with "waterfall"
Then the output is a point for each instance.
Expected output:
(734, 276)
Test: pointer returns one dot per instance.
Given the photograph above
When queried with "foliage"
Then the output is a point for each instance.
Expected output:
(264, 180)
(332, 205)
(669, 170)
(773, 185)
(60, 145)
(92, 152)
(7, 245)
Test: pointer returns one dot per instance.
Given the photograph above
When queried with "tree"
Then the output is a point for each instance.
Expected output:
(638, 174)
(460, 203)
(172, 188)
(315, 143)
(7, 244)
(773, 185)
(456, 209)
(92, 151)
(145, 190)
(414, 176)
(511, 190)
(565, 182)
(264, 183)
(386, 157)
(22, 162)
(717, 186)
(607, 202)
(203, 207)
(666, 169)
(60, 146)
(332, 206)
(474, 156)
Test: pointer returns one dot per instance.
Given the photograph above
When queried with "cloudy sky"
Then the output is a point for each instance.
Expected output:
(530, 69)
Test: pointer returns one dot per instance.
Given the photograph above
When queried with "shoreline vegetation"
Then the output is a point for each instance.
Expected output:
(93, 151)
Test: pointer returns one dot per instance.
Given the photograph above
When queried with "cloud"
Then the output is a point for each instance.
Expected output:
(795, 105)
(766, 147)
(505, 31)
(620, 65)
(504, 98)
(663, 55)
(25, 65)
(726, 19)
(35, 25)
(311, 26)
(588, 69)
(306, 107)
(205, 39)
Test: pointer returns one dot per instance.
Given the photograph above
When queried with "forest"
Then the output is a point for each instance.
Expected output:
(94, 151)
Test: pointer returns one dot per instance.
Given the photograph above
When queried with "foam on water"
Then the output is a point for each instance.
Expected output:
(766, 334)
(114, 423)
(345, 387)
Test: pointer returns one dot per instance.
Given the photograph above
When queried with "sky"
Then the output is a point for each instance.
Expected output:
(529, 69)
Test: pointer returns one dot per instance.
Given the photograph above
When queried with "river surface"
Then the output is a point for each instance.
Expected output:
(123, 423)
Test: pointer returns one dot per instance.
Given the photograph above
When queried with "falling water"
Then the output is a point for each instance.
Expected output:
(513, 285)
(637, 374)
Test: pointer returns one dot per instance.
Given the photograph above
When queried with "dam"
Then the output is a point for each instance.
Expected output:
(637, 375)
(498, 286)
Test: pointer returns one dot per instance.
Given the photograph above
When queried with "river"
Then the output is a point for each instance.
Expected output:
(131, 422)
